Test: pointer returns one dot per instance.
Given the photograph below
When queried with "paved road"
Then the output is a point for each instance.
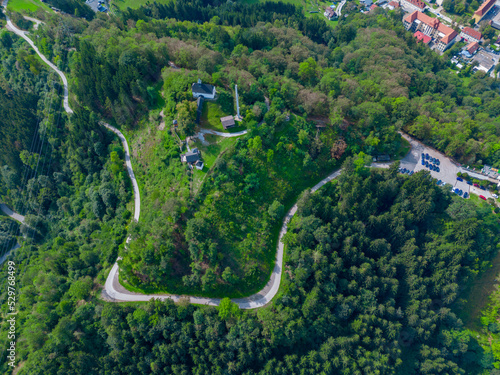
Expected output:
(7, 211)
(227, 135)
(339, 9)
(23, 35)
(115, 292)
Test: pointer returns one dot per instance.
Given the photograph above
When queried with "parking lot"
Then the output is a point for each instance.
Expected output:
(447, 169)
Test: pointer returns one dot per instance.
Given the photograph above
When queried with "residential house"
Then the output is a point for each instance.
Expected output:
(193, 158)
(330, 14)
(472, 47)
(227, 122)
(203, 90)
(393, 5)
(374, 6)
(483, 10)
(412, 5)
(442, 35)
(366, 3)
(470, 35)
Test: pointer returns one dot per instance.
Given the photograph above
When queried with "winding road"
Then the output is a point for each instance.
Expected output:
(113, 290)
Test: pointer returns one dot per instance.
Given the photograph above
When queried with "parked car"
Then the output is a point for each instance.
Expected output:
(423, 155)
(423, 162)
(460, 192)
(438, 162)
(439, 182)
(427, 156)
(482, 197)
(460, 179)
(411, 173)
(437, 169)
(456, 190)
(494, 196)
(466, 195)
(476, 185)
(469, 183)
(482, 188)
(427, 164)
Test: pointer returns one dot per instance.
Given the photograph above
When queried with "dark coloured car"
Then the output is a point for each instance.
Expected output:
(460, 179)
(411, 173)
(469, 183)
(439, 182)
(438, 162)
(423, 162)
(482, 188)
(460, 192)
(427, 164)
(423, 155)
(437, 169)
(427, 156)
(466, 195)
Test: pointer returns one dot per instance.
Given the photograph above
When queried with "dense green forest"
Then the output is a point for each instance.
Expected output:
(374, 262)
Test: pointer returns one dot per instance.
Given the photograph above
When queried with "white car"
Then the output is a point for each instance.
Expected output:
(494, 196)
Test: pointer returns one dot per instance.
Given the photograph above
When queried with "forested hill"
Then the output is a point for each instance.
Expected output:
(373, 262)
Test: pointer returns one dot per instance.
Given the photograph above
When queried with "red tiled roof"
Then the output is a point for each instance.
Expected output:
(471, 32)
(373, 6)
(418, 3)
(448, 32)
(472, 47)
(484, 8)
(421, 36)
(395, 4)
(411, 17)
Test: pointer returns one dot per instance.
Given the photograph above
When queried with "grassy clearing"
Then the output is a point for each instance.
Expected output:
(27, 5)
(211, 115)
(311, 7)
(134, 4)
(404, 148)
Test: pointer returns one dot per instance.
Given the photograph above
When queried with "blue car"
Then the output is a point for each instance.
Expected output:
(460, 179)
(427, 164)
(482, 188)
(466, 195)
(460, 192)
(469, 183)
(438, 162)
(411, 173)
(423, 155)
(426, 156)
(423, 162)
(456, 190)
(437, 169)
(439, 182)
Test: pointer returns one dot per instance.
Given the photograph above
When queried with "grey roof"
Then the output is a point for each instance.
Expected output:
(192, 156)
(227, 121)
(202, 88)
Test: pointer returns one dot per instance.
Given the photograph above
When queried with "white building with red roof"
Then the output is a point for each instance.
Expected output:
(470, 35)
(412, 5)
(442, 35)
(393, 5)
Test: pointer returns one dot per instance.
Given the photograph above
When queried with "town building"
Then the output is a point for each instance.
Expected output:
(442, 35)
(330, 14)
(412, 5)
(483, 10)
(470, 35)
(485, 62)
(203, 90)
(374, 6)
